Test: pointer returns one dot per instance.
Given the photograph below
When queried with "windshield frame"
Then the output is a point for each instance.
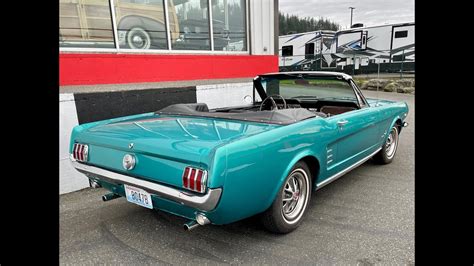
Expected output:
(258, 87)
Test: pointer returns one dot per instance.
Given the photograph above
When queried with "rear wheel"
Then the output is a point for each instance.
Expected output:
(138, 38)
(389, 148)
(287, 211)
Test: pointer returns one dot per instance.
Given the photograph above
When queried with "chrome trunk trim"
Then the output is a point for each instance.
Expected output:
(205, 202)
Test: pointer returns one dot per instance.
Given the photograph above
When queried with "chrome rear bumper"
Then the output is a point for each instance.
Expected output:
(205, 202)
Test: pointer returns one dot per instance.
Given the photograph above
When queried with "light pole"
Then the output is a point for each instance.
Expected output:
(351, 8)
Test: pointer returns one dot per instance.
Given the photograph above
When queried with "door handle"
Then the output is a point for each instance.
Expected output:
(341, 123)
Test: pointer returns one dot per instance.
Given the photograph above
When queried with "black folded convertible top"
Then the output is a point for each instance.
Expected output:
(281, 116)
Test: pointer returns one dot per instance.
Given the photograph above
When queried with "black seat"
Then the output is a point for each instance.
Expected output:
(185, 108)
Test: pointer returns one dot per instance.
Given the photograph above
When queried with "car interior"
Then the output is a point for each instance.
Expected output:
(273, 109)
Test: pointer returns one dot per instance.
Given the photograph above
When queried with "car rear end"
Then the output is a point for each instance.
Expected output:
(158, 162)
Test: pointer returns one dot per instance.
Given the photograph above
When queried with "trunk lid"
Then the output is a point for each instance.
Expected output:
(163, 145)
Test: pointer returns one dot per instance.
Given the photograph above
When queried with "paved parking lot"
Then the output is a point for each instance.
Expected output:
(365, 217)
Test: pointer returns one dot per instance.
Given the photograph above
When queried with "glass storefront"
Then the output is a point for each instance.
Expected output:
(228, 17)
(85, 23)
(142, 24)
(192, 32)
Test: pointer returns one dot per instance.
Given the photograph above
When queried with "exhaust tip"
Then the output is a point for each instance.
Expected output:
(190, 225)
(110, 196)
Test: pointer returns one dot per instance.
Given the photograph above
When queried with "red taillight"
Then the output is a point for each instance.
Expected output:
(198, 180)
(185, 177)
(194, 179)
(80, 152)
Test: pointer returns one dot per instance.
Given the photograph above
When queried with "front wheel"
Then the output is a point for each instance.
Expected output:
(389, 148)
(287, 211)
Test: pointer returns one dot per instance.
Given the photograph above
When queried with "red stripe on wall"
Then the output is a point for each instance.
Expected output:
(89, 69)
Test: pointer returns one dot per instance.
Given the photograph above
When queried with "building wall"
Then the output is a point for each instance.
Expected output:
(263, 27)
(115, 68)
(69, 179)
(91, 69)
(120, 65)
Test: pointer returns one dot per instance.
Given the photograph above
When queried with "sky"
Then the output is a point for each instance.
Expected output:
(368, 12)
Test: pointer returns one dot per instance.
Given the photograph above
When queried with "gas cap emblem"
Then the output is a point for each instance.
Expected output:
(128, 162)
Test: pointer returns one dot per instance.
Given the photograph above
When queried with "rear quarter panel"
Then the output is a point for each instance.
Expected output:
(256, 167)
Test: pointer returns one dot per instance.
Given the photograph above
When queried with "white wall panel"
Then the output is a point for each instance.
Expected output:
(262, 27)
(224, 95)
(69, 179)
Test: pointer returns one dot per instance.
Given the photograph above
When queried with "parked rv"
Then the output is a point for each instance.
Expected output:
(305, 50)
(388, 48)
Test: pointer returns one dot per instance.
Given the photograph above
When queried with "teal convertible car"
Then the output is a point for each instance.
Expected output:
(301, 131)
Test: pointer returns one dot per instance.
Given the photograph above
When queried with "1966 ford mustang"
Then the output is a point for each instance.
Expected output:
(223, 165)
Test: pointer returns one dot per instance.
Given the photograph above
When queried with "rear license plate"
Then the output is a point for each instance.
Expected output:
(138, 196)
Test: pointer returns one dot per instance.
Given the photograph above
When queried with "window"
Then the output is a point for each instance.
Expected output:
(190, 27)
(85, 24)
(398, 58)
(309, 48)
(141, 24)
(287, 50)
(228, 19)
(401, 34)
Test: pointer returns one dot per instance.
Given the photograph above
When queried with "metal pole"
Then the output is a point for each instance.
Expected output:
(378, 79)
(226, 15)
(211, 24)
(353, 64)
(401, 67)
(351, 8)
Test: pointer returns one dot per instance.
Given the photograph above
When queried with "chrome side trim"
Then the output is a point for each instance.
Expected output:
(345, 171)
(206, 202)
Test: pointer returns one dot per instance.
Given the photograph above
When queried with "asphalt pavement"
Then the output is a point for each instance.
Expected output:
(365, 217)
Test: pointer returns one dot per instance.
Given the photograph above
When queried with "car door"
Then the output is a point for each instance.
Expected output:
(355, 137)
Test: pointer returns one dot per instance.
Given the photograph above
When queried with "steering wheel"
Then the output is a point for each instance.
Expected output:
(273, 101)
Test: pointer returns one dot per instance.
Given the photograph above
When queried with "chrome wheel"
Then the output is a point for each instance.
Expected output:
(391, 143)
(138, 38)
(295, 196)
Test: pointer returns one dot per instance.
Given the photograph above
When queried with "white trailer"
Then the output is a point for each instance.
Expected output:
(390, 47)
(305, 49)
(388, 44)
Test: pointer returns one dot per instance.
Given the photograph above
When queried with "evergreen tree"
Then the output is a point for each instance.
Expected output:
(293, 24)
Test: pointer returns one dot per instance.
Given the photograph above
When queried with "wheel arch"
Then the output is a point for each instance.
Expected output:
(313, 163)
(127, 22)
(398, 123)
(314, 167)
